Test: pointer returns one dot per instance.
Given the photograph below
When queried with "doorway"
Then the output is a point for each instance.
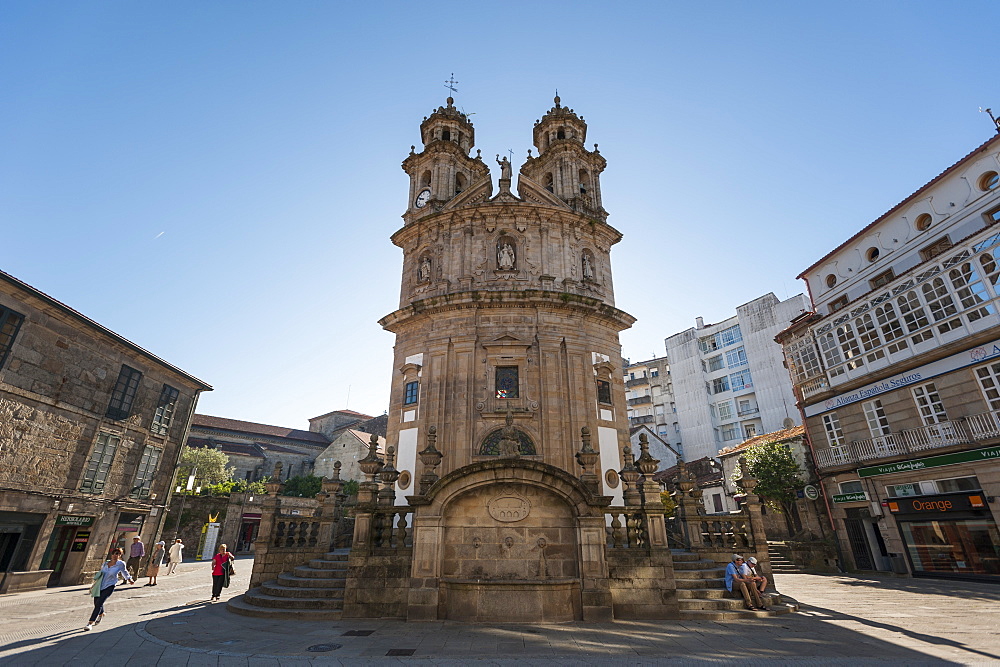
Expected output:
(62, 542)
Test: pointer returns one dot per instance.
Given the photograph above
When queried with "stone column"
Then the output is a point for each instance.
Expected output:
(270, 506)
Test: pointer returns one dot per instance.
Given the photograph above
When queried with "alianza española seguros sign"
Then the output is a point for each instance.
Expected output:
(920, 374)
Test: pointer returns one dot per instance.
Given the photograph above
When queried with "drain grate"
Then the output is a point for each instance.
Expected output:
(323, 648)
(357, 633)
(401, 651)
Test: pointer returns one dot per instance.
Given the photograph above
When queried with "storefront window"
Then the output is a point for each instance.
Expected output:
(962, 546)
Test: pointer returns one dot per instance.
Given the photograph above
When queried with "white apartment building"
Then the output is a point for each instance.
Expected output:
(728, 379)
(649, 394)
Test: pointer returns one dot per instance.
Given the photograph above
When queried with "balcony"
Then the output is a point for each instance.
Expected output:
(637, 381)
(911, 441)
(748, 412)
(984, 426)
(640, 400)
(644, 419)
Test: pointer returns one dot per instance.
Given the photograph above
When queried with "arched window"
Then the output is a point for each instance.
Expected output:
(971, 291)
(446, 135)
(892, 330)
(868, 334)
(548, 182)
(584, 181)
(561, 133)
(425, 179)
(459, 183)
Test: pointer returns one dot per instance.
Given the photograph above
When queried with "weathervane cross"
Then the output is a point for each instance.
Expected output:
(450, 84)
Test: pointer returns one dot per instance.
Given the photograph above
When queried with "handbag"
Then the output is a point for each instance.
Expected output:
(95, 588)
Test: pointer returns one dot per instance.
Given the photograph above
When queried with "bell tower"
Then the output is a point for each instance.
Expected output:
(564, 167)
(443, 170)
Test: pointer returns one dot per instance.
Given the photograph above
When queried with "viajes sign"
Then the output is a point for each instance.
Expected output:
(859, 497)
(921, 374)
(931, 462)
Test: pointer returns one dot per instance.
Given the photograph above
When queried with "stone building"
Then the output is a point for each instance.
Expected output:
(347, 448)
(90, 430)
(728, 379)
(896, 369)
(659, 446)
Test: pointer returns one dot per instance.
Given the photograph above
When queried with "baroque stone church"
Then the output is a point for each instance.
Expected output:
(508, 490)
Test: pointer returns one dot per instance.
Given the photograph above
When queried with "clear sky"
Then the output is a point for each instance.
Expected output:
(218, 181)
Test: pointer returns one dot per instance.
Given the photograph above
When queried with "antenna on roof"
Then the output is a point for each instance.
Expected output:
(348, 397)
(992, 117)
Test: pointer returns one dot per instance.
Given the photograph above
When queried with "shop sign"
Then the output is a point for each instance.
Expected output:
(937, 504)
(932, 462)
(74, 520)
(858, 497)
(80, 540)
(811, 492)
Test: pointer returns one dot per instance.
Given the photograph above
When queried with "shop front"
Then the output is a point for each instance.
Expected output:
(948, 535)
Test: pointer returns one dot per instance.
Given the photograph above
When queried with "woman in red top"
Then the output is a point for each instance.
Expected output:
(222, 568)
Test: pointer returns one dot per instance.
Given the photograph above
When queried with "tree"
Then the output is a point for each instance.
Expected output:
(303, 486)
(211, 464)
(669, 505)
(777, 476)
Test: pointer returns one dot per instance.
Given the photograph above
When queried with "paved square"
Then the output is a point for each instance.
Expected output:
(845, 620)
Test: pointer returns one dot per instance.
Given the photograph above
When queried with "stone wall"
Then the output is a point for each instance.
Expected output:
(378, 586)
(642, 583)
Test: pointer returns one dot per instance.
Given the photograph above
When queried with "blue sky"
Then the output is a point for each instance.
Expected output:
(218, 181)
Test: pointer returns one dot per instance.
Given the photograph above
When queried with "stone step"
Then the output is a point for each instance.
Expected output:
(684, 555)
(238, 605)
(256, 596)
(724, 603)
(690, 584)
(324, 564)
(286, 579)
(700, 593)
(277, 589)
(734, 615)
(694, 565)
(702, 573)
(316, 573)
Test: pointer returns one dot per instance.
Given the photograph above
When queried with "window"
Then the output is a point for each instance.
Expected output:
(904, 490)
(96, 472)
(989, 181)
(446, 135)
(849, 346)
(991, 268)
(868, 335)
(164, 410)
(124, 392)
(831, 350)
(971, 291)
(547, 182)
(923, 222)
(872, 254)
(737, 357)
(878, 425)
(992, 216)
(10, 322)
(654, 372)
(989, 382)
(853, 486)
(942, 245)
(717, 501)
(730, 336)
(929, 404)
(831, 280)
(725, 410)
(882, 279)
(144, 474)
(730, 432)
(958, 484)
(720, 385)
(741, 380)
(715, 363)
(604, 392)
(913, 313)
(411, 393)
(506, 382)
(834, 435)
(837, 304)
(749, 430)
(708, 344)
(890, 327)
(802, 359)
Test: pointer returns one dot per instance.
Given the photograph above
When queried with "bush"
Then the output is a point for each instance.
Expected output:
(302, 486)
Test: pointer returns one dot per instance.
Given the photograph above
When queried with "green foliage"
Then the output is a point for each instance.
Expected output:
(234, 486)
(351, 487)
(212, 466)
(669, 506)
(302, 486)
(776, 471)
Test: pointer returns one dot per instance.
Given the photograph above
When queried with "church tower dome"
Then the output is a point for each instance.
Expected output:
(443, 170)
(564, 167)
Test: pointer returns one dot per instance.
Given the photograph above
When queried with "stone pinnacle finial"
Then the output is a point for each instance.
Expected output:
(451, 101)
(557, 100)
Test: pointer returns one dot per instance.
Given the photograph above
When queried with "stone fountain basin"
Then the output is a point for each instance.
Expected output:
(512, 600)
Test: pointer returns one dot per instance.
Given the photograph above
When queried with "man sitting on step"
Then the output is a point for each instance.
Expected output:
(737, 583)
(751, 570)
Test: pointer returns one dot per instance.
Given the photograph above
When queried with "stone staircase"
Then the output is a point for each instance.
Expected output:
(311, 592)
(701, 592)
(778, 554)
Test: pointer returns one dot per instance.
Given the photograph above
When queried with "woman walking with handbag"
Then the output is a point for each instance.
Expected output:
(156, 562)
(104, 585)
(222, 569)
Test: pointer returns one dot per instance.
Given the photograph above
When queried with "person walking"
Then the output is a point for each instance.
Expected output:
(104, 585)
(135, 554)
(176, 555)
(155, 562)
(222, 569)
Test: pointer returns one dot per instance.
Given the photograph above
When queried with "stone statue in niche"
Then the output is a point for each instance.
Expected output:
(510, 448)
(505, 170)
(424, 272)
(543, 563)
(588, 267)
(506, 259)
